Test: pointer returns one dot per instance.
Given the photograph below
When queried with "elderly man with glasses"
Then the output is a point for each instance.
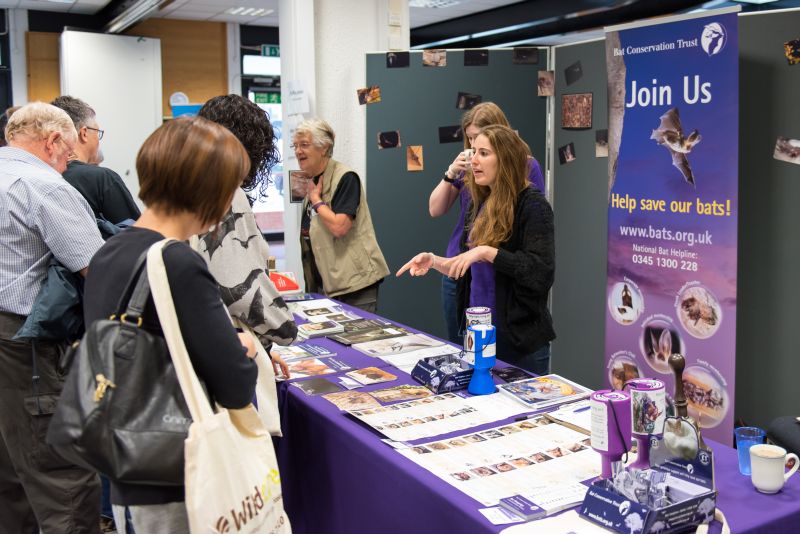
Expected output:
(102, 188)
(41, 217)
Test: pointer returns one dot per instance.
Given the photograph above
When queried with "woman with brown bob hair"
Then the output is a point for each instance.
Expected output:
(188, 171)
(511, 233)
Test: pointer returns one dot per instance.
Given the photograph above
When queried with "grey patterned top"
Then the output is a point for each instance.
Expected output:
(41, 216)
(236, 254)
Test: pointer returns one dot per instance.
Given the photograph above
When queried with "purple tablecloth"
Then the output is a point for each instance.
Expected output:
(338, 477)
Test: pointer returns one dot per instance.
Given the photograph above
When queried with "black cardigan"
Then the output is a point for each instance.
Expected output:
(524, 271)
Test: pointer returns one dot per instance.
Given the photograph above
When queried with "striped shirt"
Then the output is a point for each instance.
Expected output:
(41, 216)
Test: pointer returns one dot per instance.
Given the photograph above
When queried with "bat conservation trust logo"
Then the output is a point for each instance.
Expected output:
(713, 38)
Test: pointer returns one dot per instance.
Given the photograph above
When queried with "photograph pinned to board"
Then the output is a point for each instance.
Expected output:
(566, 154)
(576, 110)
(573, 73)
(389, 139)
(436, 57)
(476, 58)
(298, 183)
(451, 134)
(397, 60)
(546, 83)
(787, 150)
(601, 143)
(468, 100)
(369, 95)
(414, 162)
(525, 55)
(792, 51)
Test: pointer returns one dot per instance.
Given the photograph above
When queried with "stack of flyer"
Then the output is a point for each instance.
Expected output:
(544, 501)
(544, 391)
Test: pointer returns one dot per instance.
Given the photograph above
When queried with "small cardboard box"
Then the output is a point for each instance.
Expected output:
(691, 485)
(441, 374)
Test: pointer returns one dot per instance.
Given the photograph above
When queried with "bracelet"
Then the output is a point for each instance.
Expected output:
(448, 179)
(316, 206)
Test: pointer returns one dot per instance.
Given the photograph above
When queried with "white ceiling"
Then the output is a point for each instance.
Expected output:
(215, 9)
(81, 7)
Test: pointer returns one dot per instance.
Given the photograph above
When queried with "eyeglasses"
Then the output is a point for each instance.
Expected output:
(304, 146)
(100, 132)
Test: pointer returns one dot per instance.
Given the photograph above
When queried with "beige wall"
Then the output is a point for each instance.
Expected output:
(193, 60)
(193, 57)
(44, 78)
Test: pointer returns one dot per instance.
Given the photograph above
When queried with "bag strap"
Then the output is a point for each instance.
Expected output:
(135, 278)
(198, 404)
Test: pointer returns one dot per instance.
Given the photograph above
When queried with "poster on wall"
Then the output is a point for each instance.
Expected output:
(672, 208)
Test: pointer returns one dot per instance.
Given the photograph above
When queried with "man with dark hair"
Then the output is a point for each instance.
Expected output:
(102, 188)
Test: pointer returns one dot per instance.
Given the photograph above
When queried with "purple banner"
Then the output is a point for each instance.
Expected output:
(672, 214)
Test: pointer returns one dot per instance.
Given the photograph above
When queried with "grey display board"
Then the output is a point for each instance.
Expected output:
(580, 190)
(768, 352)
(416, 101)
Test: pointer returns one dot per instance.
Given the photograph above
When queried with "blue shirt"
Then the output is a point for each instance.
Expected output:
(41, 216)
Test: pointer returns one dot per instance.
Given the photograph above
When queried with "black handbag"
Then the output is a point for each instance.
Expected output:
(122, 411)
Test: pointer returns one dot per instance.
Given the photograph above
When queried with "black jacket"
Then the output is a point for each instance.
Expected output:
(524, 272)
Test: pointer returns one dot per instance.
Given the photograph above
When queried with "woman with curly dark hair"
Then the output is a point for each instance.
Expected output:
(235, 249)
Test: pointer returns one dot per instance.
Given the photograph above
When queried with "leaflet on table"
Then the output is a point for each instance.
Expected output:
(406, 362)
(317, 386)
(436, 415)
(566, 523)
(371, 375)
(363, 330)
(340, 317)
(352, 400)
(312, 308)
(315, 367)
(543, 391)
(301, 351)
(535, 458)
(577, 415)
(397, 345)
(544, 499)
(312, 330)
(499, 516)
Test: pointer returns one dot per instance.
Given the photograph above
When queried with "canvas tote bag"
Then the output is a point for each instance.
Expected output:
(231, 473)
(266, 390)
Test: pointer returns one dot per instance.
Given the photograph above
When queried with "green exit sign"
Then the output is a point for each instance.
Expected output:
(270, 50)
(268, 98)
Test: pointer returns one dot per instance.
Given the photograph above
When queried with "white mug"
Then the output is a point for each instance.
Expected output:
(768, 465)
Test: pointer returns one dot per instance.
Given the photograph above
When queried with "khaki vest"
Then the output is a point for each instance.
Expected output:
(352, 262)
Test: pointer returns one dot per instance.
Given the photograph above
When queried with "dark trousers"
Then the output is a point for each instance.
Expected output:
(36, 484)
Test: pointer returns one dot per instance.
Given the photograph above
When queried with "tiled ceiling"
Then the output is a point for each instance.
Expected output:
(217, 10)
(422, 16)
(79, 7)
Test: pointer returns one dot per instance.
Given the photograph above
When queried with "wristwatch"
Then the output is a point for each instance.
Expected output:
(448, 179)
